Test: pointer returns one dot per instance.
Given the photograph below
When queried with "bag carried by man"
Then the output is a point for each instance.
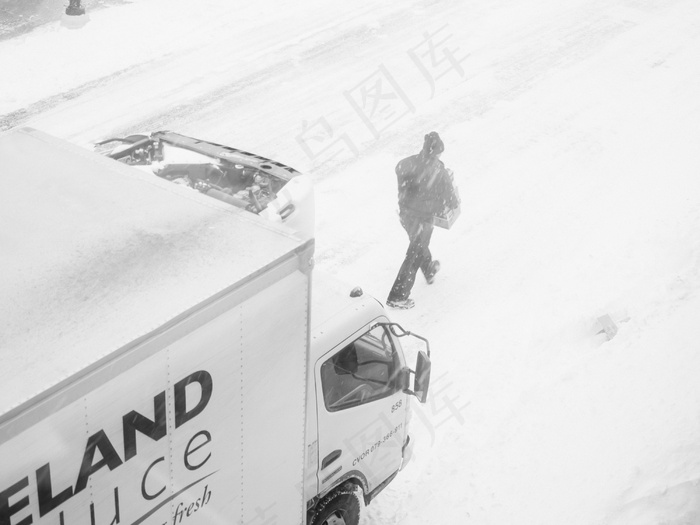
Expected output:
(447, 206)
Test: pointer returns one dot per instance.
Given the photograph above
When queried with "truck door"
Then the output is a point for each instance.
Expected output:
(361, 410)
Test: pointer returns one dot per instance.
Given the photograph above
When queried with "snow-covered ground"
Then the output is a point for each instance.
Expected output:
(572, 127)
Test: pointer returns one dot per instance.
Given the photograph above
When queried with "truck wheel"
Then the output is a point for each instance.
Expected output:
(340, 508)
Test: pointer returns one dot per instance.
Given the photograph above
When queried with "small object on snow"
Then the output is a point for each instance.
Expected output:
(356, 292)
(606, 326)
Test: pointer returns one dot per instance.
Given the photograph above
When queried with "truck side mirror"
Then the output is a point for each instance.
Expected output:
(422, 381)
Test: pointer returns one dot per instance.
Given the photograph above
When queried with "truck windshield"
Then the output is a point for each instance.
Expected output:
(363, 371)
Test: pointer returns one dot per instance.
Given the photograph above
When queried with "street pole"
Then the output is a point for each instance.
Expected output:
(74, 8)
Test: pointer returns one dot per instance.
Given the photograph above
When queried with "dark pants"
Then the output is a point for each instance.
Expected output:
(417, 256)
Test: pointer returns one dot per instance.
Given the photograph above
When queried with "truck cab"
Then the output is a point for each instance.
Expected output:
(358, 401)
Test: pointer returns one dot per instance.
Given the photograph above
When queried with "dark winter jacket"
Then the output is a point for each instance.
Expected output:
(425, 186)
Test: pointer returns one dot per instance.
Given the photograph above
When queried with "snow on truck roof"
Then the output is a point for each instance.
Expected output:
(95, 254)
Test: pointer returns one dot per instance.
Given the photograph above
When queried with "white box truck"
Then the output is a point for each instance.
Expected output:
(162, 362)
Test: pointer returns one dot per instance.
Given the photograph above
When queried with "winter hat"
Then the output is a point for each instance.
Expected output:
(433, 144)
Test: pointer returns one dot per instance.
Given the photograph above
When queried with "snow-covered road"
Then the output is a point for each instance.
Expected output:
(572, 127)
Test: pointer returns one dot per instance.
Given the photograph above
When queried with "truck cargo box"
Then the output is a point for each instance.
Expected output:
(154, 344)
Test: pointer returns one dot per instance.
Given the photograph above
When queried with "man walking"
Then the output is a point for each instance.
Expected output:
(423, 193)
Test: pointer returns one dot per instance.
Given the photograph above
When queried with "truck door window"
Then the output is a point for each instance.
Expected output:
(361, 372)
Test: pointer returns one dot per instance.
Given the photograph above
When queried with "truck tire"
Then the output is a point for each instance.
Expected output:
(342, 507)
